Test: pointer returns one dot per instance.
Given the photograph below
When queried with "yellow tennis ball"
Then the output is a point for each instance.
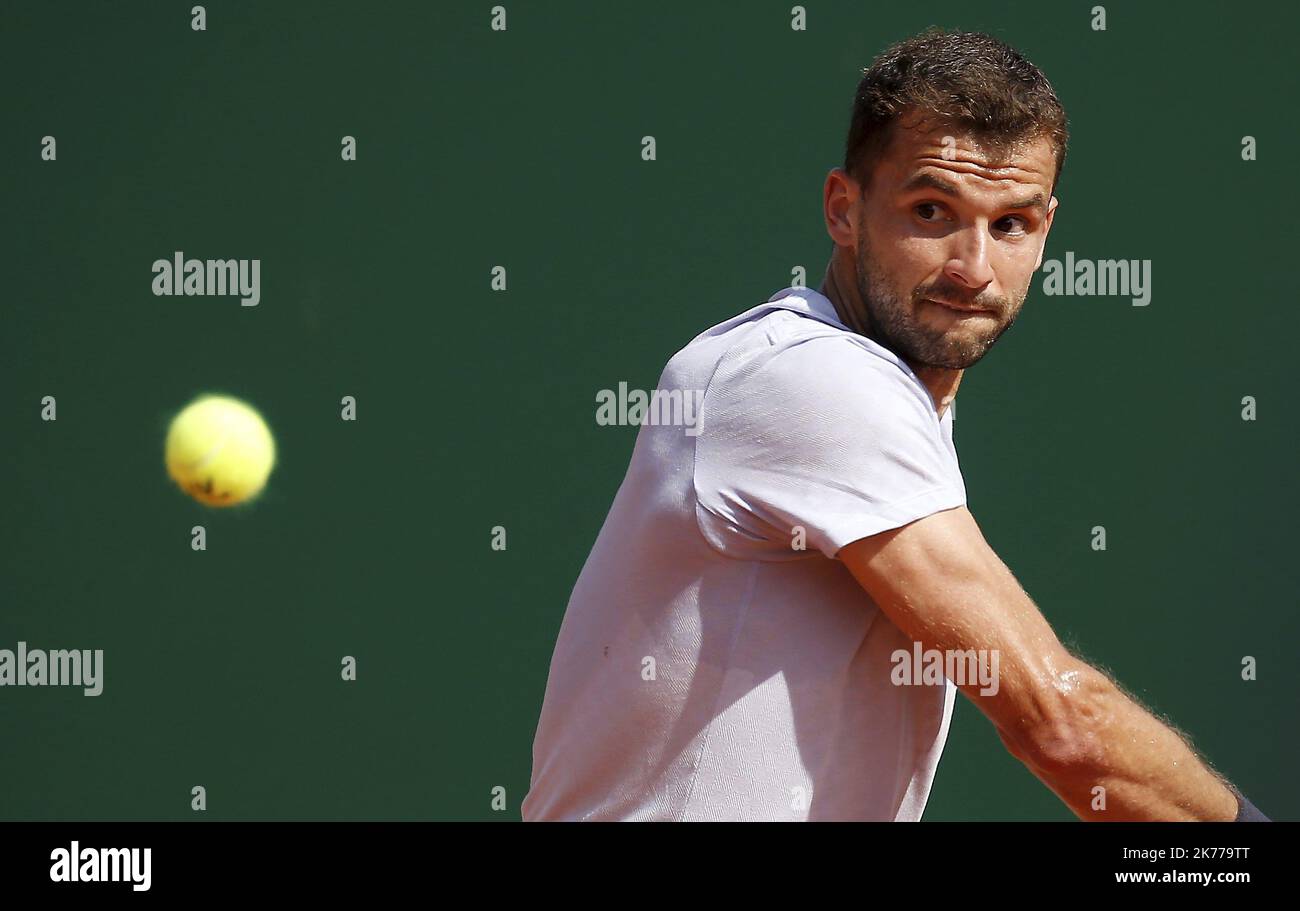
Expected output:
(219, 450)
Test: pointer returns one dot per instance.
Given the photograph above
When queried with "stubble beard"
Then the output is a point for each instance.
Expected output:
(898, 324)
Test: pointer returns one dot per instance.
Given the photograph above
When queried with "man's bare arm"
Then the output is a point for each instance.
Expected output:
(939, 581)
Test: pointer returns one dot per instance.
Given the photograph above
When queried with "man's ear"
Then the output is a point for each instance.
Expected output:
(839, 195)
(1047, 229)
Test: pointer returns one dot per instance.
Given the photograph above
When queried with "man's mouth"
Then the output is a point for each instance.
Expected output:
(959, 308)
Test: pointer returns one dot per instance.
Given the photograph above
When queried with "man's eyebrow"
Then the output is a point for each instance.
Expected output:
(1029, 202)
(925, 180)
(930, 181)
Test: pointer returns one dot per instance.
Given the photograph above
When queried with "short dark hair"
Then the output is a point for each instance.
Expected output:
(973, 81)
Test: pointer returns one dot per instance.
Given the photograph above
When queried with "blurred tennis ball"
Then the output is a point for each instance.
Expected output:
(219, 450)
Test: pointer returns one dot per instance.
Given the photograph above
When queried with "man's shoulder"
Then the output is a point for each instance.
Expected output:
(826, 372)
(793, 325)
(797, 309)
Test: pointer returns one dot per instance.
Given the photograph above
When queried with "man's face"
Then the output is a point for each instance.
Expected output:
(950, 222)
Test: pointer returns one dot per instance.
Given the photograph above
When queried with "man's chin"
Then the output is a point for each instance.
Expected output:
(950, 360)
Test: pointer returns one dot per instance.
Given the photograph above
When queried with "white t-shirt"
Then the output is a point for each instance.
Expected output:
(708, 669)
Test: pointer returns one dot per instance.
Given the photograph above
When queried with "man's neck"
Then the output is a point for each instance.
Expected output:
(942, 383)
(842, 291)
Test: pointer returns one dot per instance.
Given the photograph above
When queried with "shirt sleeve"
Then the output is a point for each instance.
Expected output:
(822, 436)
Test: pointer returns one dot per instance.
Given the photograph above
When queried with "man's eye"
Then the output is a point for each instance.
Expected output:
(927, 211)
(1012, 224)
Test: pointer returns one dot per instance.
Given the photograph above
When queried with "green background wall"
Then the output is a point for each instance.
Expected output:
(476, 408)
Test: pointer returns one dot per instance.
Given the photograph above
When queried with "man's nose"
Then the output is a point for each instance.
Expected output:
(969, 260)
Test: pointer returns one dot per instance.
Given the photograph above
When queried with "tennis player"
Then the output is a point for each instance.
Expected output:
(738, 644)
